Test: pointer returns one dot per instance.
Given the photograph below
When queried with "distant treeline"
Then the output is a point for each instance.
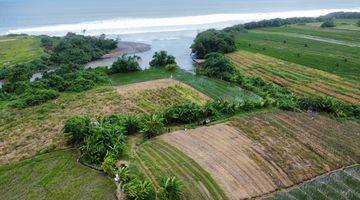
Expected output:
(294, 20)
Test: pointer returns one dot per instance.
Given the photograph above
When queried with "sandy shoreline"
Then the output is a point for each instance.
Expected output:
(122, 49)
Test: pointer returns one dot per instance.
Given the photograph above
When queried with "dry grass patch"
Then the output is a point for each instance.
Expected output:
(156, 95)
(298, 78)
(26, 132)
(260, 153)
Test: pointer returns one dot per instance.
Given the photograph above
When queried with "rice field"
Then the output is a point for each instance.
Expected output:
(258, 154)
(330, 51)
(158, 159)
(54, 176)
(342, 184)
(300, 79)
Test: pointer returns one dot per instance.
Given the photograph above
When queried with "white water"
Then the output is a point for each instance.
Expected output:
(167, 24)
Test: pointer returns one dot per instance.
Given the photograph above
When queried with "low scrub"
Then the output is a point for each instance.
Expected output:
(35, 97)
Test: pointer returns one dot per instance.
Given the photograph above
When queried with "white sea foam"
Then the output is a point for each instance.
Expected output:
(143, 25)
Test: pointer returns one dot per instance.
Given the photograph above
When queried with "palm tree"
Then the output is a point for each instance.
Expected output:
(170, 189)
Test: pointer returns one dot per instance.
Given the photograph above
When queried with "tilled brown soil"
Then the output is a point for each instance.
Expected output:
(257, 154)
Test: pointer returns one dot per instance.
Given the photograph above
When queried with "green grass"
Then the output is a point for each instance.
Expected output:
(216, 89)
(19, 49)
(54, 175)
(343, 184)
(337, 33)
(161, 159)
(334, 58)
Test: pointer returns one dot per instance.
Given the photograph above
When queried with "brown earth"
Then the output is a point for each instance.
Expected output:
(260, 153)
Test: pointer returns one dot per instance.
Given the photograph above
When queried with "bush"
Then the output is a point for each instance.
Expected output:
(101, 140)
(186, 112)
(35, 97)
(125, 64)
(152, 125)
(139, 190)
(77, 128)
(328, 24)
(358, 23)
(162, 59)
(218, 66)
(213, 41)
(131, 123)
(109, 164)
(170, 189)
(171, 67)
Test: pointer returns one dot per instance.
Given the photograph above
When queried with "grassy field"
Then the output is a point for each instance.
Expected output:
(260, 153)
(54, 175)
(216, 89)
(338, 59)
(160, 159)
(300, 79)
(26, 132)
(19, 49)
(343, 184)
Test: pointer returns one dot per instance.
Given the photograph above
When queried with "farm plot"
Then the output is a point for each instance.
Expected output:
(342, 184)
(54, 176)
(298, 78)
(26, 132)
(260, 153)
(213, 88)
(339, 59)
(156, 95)
(160, 159)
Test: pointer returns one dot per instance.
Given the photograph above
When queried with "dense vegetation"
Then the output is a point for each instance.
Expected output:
(79, 49)
(125, 64)
(328, 24)
(65, 55)
(161, 59)
(213, 41)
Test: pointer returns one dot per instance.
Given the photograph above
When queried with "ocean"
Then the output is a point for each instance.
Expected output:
(165, 24)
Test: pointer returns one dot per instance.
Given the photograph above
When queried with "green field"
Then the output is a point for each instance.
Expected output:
(339, 59)
(54, 175)
(216, 89)
(160, 159)
(343, 184)
(18, 49)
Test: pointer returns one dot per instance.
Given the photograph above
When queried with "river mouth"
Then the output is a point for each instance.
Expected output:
(124, 48)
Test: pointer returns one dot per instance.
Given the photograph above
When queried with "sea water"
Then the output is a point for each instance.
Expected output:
(169, 25)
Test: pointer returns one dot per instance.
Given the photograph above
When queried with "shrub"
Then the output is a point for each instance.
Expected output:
(131, 123)
(358, 23)
(218, 66)
(77, 128)
(35, 97)
(152, 125)
(171, 67)
(125, 64)
(101, 140)
(213, 41)
(328, 24)
(186, 112)
(170, 189)
(139, 190)
(162, 59)
(109, 163)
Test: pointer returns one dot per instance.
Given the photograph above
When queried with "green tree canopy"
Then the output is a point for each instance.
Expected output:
(213, 41)
(162, 59)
